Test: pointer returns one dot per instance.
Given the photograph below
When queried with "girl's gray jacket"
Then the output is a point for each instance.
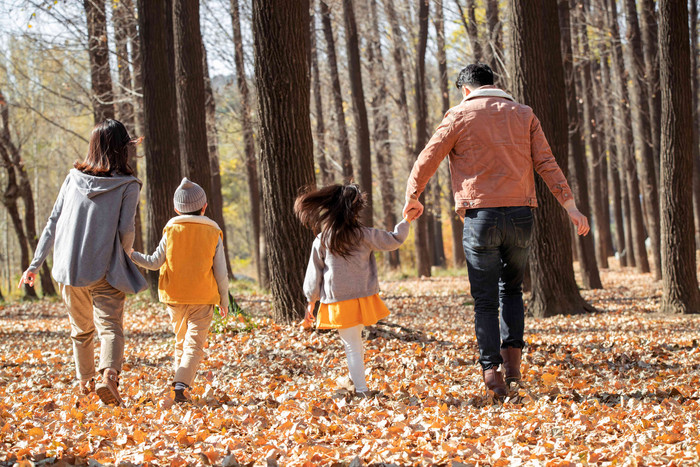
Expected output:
(92, 229)
(331, 278)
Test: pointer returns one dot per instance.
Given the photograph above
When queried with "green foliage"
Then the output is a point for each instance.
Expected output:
(237, 319)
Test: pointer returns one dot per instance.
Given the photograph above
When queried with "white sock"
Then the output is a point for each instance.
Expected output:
(352, 339)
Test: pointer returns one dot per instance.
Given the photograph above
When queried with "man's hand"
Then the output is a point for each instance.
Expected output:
(412, 210)
(580, 221)
(27, 278)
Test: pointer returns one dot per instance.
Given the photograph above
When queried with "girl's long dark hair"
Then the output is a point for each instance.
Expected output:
(334, 212)
(108, 152)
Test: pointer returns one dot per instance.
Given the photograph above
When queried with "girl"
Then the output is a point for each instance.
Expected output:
(342, 271)
(92, 227)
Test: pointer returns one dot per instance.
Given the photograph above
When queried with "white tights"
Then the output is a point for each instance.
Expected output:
(352, 339)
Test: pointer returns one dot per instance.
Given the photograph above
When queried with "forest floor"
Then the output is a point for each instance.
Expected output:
(617, 387)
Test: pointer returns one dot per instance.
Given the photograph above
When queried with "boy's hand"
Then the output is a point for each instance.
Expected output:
(309, 317)
(223, 311)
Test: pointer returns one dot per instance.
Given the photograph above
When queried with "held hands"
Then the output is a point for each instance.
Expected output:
(308, 322)
(412, 210)
(27, 278)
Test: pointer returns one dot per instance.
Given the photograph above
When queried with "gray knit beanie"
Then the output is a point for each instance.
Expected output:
(189, 197)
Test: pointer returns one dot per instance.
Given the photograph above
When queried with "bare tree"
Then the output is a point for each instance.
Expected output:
(469, 22)
(102, 93)
(281, 36)
(680, 283)
(538, 80)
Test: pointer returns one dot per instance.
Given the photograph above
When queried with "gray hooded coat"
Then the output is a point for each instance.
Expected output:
(92, 229)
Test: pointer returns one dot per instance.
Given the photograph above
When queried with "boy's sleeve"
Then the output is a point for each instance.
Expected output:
(154, 261)
(314, 273)
(49, 234)
(381, 240)
(221, 274)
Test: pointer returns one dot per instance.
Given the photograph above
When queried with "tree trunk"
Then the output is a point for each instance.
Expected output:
(281, 35)
(125, 104)
(694, 51)
(626, 145)
(360, 110)
(456, 223)
(98, 50)
(577, 152)
(642, 128)
(131, 23)
(160, 116)
(320, 137)
(382, 142)
(680, 283)
(538, 81)
(421, 236)
(343, 139)
(494, 46)
(650, 39)
(248, 143)
(216, 200)
(470, 27)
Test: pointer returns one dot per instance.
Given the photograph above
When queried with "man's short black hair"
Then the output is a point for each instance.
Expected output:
(474, 76)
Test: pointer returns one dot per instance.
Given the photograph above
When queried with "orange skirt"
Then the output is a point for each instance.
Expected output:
(349, 313)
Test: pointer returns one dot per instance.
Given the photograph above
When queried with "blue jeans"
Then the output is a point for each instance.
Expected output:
(496, 243)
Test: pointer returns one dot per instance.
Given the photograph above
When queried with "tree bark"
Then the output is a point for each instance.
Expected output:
(650, 38)
(469, 22)
(320, 137)
(625, 144)
(281, 35)
(125, 104)
(343, 139)
(98, 50)
(216, 200)
(359, 110)
(248, 144)
(642, 130)
(421, 236)
(538, 80)
(457, 226)
(577, 152)
(680, 283)
(694, 51)
(160, 116)
(380, 116)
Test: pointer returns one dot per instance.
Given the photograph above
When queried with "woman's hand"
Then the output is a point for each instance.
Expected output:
(309, 317)
(27, 278)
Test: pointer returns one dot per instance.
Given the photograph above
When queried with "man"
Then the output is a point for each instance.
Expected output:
(494, 143)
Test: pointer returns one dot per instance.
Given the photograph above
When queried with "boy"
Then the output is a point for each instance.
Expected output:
(193, 278)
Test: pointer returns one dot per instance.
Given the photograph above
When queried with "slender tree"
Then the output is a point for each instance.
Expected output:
(320, 137)
(248, 143)
(680, 283)
(469, 22)
(577, 152)
(281, 36)
(694, 51)
(380, 116)
(651, 61)
(642, 130)
(359, 109)
(538, 80)
(494, 45)
(160, 116)
(343, 139)
(625, 145)
(98, 50)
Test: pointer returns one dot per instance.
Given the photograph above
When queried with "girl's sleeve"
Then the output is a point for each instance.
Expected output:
(49, 234)
(314, 273)
(154, 261)
(381, 240)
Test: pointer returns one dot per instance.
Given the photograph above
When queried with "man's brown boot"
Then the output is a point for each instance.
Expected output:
(107, 388)
(511, 363)
(494, 382)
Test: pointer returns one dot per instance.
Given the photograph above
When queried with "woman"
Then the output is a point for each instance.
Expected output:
(92, 228)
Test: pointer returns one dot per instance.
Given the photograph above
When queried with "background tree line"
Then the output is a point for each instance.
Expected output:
(349, 90)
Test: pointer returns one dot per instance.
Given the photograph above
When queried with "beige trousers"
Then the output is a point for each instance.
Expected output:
(191, 328)
(96, 307)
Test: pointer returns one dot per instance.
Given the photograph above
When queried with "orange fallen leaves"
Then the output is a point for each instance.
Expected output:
(619, 386)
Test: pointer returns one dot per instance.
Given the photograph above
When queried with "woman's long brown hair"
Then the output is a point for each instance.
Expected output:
(334, 212)
(108, 152)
